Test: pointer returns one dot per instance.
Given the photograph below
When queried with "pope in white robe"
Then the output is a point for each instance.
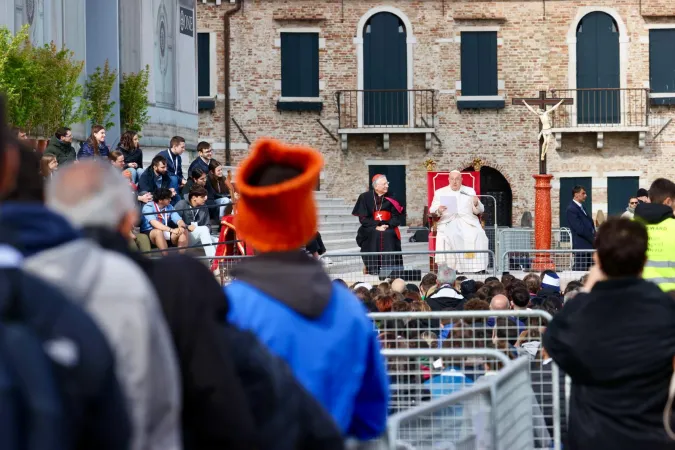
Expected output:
(460, 229)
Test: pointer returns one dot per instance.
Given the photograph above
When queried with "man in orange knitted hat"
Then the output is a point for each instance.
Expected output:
(380, 216)
(285, 297)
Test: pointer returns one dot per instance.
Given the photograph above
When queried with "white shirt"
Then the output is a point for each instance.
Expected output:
(579, 205)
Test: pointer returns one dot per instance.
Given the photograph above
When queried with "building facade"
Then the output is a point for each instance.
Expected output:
(129, 34)
(382, 86)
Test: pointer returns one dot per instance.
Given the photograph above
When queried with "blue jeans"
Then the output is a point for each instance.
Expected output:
(175, 184)
(135, 174)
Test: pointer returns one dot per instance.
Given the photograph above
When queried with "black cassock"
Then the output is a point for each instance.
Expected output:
(374, 210)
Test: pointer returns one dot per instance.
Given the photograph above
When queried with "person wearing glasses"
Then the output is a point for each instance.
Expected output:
(630, 211)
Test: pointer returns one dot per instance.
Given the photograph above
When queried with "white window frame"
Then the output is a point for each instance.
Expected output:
(213, 65)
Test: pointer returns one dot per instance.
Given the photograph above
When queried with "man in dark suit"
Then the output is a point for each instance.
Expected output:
(174, 161)
(582, 227)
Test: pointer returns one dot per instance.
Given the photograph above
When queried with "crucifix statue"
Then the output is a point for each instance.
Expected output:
(542, 187)
(544, 121)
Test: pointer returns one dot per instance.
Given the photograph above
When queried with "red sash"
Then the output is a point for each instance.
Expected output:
(386, 216)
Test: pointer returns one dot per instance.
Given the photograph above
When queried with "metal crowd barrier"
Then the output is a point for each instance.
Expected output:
(495, 413)
(512, 333)
(511, 239)
(410, 266)
(568, 264)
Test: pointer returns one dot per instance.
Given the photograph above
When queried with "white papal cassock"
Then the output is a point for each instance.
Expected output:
(460, 231)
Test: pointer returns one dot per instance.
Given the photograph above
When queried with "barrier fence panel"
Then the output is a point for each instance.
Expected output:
(411, 266)
(568, 264)
(420, 373)
(495, 413)
(511, 239)
(513, 333)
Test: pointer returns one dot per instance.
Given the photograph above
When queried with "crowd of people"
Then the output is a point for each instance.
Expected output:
(102, 347)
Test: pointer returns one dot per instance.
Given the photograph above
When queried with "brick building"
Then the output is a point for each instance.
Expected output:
(398, 82)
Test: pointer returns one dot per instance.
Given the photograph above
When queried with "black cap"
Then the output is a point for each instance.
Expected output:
(642, 192)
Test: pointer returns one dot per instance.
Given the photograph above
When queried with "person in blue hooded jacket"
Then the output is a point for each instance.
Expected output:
(285, 297)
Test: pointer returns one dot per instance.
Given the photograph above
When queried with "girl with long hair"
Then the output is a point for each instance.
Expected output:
(94, 146)
(133, 155)
(218, 190)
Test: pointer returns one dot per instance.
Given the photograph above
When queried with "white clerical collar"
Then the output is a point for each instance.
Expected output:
(547, 361)
(10, 257)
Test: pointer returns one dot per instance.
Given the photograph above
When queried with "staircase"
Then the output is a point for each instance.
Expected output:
(338, 230)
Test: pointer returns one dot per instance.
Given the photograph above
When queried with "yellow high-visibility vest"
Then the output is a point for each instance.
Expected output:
(660, 267)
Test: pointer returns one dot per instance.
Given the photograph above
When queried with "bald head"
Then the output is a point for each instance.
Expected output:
(91, 194)
(499, 303)
(398, 285)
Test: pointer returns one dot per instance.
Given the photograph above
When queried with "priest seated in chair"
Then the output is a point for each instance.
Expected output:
(457, 208)
(380, 217)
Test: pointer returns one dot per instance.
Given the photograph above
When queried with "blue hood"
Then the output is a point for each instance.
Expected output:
(35, 228)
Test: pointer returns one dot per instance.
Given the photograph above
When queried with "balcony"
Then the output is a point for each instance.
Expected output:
(384, 112)
(602, 111)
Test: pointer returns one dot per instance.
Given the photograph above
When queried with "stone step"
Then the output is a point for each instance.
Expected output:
(330, 202)
(330, 216)
(338, 209)
(320, 194)
(328, 235)
(344, 225)
(341, 245)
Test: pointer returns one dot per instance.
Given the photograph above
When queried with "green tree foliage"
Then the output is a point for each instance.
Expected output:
(134, 100)
(97, 94)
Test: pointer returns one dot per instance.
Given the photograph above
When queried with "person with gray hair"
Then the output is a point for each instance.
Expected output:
(118, 295)
(446, 296)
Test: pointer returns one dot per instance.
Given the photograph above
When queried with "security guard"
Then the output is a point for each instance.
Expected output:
(659, 218)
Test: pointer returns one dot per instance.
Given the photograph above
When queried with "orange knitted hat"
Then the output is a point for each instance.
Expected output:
(278, 216)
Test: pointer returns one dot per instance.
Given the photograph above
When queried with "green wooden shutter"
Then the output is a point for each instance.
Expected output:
(566, 185)
(662, 64)
(619, 191)
(479, 63)
(203, 65)
(299, 65)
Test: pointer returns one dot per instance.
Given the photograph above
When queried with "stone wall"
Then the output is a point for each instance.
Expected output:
(533, 55)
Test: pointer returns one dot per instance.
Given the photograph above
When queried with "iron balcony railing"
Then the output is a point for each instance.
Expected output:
(405, 108)
(602, 108)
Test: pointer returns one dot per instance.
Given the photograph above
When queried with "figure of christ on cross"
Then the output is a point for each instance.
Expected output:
(544, 121)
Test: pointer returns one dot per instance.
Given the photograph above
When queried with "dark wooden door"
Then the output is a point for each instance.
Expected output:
(566, 185)
(385, 67)
(598, 69)
(396, 177)
(619, 191)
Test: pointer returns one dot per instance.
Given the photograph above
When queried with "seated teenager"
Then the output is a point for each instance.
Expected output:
(156, 177)
(158, 225)
(197, 178)
(218, 190)
(197, 219)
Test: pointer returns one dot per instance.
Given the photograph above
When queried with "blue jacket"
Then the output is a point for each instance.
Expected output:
(199, 162)
(147, 183)
(36, 228)
(87, 151)
(320, 330)
(173, 169)
(581, 226)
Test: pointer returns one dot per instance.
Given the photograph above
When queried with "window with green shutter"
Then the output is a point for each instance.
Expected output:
(299, 71)
(479, 70)
(662, 66)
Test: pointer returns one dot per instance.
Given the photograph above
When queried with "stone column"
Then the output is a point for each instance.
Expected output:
(542, 222)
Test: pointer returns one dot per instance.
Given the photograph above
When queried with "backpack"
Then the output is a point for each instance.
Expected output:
(31, 410)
